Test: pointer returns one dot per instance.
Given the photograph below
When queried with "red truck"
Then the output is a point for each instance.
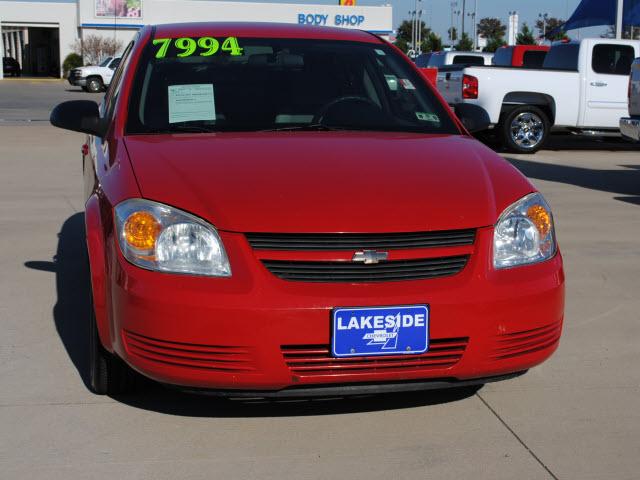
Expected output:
(527, 56)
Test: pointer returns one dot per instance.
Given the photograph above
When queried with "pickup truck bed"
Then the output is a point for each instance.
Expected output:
(581, 88)
(527, 85)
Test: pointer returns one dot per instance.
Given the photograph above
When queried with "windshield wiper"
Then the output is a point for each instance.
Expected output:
(313, 127)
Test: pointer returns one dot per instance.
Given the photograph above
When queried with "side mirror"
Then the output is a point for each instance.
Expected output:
(473, 117)
(79, 116)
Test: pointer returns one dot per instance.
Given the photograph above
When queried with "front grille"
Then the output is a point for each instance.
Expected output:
(217, 358)
(512, 345)
(360, 241)
(357, 272)
(315, 360)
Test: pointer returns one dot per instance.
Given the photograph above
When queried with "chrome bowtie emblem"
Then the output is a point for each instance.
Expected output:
(369, 257)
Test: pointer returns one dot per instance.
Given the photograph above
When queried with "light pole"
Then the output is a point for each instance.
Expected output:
(418, 6)
(475, 24)
(619, 20)
(457, 15)
(464, 12)
(544, 17)
(419, 43)
(472, 15)
(453, 13)
(412, 14)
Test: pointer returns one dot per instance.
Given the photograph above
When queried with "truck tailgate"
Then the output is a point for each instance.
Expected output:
(449, 85)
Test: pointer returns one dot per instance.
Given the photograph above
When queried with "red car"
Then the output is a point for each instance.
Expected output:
(279, 210)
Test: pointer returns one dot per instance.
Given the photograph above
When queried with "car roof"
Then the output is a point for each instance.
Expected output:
(262, 30)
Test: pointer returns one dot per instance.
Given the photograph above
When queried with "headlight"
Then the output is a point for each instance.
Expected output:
(524, 233)
(158, 237)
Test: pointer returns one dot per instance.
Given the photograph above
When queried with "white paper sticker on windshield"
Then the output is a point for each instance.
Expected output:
(407, 84)
(191, 102)
(380, 52)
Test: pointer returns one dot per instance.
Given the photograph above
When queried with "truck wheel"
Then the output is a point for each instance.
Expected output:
(94, 84)
(525, 129)
(108, 375)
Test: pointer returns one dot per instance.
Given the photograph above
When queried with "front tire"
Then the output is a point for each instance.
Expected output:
(525, 129)
(108, 375)
(94, 84)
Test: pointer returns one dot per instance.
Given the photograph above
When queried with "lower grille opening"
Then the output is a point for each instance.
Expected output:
(316, 360)
(515, 344)
(187, 355)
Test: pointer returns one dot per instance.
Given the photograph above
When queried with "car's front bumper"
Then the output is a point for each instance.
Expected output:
(351, 389)
(630, 127)
(78, 81)
(255, 332)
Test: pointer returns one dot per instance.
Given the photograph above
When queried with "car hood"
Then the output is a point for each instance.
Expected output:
(314, 182)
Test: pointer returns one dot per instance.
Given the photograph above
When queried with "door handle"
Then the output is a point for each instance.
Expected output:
(599, 84)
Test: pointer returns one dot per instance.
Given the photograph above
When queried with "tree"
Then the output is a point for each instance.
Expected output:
(552, 28)
(453, 34)
(492, 29)
(403, 38)
(465, 44)
(494, 44)
(71, 61)
(525, 37)
(433, 43)
(94, 48)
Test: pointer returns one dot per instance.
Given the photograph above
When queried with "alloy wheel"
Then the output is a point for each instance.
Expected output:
(527, 130)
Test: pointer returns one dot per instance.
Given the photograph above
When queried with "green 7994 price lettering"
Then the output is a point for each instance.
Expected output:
(205, 46)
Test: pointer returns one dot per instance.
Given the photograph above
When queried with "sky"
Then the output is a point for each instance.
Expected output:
(438, 12)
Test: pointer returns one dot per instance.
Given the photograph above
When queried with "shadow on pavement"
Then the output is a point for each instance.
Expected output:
(574, 142)
(70, 313)
(71, 318)
(172, 402)
(625, 182)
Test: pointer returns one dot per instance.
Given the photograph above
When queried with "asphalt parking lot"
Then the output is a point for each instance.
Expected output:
(574, 417)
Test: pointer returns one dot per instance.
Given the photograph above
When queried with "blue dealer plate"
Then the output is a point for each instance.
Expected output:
(360, 332)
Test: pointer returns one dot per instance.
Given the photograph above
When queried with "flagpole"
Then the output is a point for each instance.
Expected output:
(619, 17)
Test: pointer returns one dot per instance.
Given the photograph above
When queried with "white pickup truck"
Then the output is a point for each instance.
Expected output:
(581, 88)
(630, 126)
(94, 78)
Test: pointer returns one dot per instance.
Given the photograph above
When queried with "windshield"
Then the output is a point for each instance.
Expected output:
(563, 57)
(251, 84)
(105, 62)
(503, 57)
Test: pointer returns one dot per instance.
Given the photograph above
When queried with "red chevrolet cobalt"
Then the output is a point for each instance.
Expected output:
(281, 211)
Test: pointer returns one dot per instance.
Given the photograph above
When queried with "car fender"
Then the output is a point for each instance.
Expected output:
(97, 266)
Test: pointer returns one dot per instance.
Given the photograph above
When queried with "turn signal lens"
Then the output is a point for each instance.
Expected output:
(540, 218)
(141, 230)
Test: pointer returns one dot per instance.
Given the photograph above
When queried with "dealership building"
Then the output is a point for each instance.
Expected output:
(39, 34)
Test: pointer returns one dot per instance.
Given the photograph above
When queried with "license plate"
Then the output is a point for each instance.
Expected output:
(361, 332)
